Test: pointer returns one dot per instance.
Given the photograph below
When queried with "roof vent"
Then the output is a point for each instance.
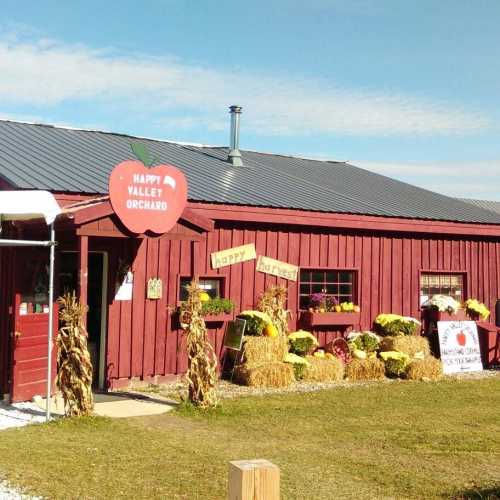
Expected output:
(234, 155)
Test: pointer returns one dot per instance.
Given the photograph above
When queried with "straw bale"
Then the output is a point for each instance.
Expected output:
(323, 370)
(429, 368)
(272, 374)
(258, 350)
(365, 369)
(409, 344)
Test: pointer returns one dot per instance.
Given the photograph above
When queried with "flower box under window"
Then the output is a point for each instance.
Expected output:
(317, 319)
(218, 318)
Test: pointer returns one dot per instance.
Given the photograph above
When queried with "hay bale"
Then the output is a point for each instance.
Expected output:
(265, 374)
(429, 368)
(365, 369)
(323, 370)
(409, 344)
(258, 350)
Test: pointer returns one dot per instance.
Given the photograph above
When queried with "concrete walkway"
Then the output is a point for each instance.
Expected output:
(130, 404)
(117, 405)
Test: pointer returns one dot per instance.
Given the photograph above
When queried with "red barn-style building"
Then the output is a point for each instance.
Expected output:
(354, 234)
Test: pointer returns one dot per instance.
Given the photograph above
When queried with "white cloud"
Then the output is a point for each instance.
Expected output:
(45, 73)
(459, 179)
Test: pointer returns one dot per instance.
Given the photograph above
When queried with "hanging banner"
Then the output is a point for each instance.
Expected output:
(459, 346)
(277, 268)
(233, 256)
(147, 199)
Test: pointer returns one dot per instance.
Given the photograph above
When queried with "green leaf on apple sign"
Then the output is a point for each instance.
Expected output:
(141, 153)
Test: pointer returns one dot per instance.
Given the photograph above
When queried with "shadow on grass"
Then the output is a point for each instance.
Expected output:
(481, 494)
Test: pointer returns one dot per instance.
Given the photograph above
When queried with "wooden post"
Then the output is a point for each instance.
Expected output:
(253, 480)
(83, 271)
(195, 253)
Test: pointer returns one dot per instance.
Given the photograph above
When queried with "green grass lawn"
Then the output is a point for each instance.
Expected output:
(398, 440)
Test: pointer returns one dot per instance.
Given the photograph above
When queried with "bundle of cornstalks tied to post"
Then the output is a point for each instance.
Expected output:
(74, 373)
(202, 363)
(272, 303)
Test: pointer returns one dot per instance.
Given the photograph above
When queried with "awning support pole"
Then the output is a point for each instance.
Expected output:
(83, 274)
(51, 318)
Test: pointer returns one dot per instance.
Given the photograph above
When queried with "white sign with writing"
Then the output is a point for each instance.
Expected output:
(233, 256)
(459, 346)
(277, 268)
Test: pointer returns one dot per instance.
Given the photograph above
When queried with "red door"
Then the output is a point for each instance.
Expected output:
(31, 321)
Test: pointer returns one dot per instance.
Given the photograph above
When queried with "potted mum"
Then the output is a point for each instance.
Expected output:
(443, 308)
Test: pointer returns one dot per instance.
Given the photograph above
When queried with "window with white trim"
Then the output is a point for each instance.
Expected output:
(339, 284)
(451, 284)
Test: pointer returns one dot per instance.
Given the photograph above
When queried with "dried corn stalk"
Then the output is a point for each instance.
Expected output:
(202, 362)
(272, 303)
(74, 368)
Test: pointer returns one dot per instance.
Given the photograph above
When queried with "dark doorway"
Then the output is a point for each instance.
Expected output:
(68, 281)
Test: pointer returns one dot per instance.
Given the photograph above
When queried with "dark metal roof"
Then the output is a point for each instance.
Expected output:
(493, 206)
(61, 159)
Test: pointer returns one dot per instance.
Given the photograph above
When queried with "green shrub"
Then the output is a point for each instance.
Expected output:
(302, 342)
(363, 341)
(299, 363)
(395, 363)
(256, 322)
(217, 306)
(394, 325)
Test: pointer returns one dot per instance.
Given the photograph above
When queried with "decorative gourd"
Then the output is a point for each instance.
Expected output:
(270, 331)
(204, 297)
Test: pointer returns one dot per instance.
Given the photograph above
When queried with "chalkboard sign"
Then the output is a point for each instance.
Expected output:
(235, 330)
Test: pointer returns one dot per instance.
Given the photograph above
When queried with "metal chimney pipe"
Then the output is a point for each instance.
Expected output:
(234, 155)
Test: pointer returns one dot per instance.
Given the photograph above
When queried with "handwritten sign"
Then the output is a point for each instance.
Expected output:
(235, 330)
(147, 199)
(277, 268)
(233, 256)
(459, 346)
(154, 290)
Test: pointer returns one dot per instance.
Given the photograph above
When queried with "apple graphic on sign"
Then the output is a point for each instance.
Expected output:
(147, 199)
(461, 338)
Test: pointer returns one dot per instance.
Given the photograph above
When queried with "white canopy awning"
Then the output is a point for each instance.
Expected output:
(24, 205)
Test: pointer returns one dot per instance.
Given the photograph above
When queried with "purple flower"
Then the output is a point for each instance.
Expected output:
(317, 299)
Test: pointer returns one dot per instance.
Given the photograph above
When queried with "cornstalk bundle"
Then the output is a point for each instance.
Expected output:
(74, 372)
(202, 363)
(272, 303)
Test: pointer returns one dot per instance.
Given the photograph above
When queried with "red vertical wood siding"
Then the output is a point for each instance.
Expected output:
(145, 340)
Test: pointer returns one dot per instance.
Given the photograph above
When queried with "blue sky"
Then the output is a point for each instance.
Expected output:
(408, 89)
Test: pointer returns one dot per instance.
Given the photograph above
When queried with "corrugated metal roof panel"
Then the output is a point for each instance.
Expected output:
(59, 159)
(493, 206)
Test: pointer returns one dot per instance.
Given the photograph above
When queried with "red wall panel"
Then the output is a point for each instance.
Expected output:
(144, 336)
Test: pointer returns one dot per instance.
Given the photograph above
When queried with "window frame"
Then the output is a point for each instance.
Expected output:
(355, 285)
(219, 277)
(440, 272)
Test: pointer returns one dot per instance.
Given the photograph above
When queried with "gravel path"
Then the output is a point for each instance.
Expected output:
(8, 493)
(227, 390)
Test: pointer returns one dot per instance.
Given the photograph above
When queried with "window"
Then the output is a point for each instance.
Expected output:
(442, 284)
(34, 284)
(339, 284)
(213, 286)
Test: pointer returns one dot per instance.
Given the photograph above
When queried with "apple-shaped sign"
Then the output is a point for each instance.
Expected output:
(147, 199)
(461, 338)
